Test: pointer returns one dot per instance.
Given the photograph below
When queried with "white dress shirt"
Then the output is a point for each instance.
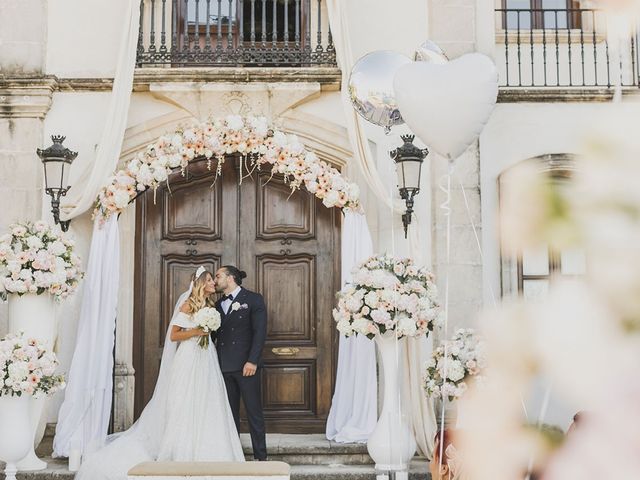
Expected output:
(226, 304)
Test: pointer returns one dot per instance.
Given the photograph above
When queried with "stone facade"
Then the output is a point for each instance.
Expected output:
(57, 61)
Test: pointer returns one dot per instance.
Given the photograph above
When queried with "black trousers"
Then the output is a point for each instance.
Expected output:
(249, 389)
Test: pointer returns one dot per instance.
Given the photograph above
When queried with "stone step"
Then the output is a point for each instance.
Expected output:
(45, 449)
(310, 450)
(312, 457)
(292, 449)
(57, 470)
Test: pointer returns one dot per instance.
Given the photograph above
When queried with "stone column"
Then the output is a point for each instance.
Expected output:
(453, 27)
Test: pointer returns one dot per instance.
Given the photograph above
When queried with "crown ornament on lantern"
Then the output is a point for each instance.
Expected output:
(408, 149)
(57, 150)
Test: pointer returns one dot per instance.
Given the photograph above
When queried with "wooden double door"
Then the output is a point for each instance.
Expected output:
(289, 247)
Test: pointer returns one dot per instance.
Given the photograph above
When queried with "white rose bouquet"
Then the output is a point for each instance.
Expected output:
(209, 320)
(26, 367)
(38, 258)
(388, 294)
(453, 364)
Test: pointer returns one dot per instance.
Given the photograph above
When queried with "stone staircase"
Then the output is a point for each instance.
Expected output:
(312, 457)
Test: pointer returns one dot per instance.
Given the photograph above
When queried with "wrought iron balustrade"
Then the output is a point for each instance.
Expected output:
(251, 33)
(562, 48)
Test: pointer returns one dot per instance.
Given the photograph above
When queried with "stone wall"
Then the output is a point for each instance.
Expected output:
(25, 97)
(452, 26)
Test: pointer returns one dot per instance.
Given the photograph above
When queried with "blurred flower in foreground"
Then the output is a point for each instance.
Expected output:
(584, 336)
(533, 210)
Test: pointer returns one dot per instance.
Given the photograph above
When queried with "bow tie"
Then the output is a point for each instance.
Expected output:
(226, 297)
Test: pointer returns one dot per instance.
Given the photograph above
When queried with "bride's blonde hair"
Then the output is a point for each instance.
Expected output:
(199, 298)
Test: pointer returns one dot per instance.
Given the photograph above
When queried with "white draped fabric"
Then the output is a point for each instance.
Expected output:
(421, 410)
(339, 22)
(354, 408)
(84, 416)
(95, 171)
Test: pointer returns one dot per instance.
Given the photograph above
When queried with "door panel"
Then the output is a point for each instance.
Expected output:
(288, 245)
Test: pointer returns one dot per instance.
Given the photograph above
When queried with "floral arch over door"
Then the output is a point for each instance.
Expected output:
(253, 138)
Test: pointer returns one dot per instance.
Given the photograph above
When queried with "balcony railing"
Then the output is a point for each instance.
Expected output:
(562, 48)
(229, 33)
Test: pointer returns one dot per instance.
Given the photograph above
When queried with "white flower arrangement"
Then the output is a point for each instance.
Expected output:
(388, 294)
(453, 364)
(26, 367)
(37, 258)
(209, 320)
(251, 137)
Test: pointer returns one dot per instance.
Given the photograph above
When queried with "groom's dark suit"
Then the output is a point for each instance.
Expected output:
(240, 339)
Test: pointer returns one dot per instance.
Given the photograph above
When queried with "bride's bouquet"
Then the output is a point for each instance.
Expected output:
(453, 364)
(208, 319)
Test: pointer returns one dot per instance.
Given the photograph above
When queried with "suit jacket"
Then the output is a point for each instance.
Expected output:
(242, 333)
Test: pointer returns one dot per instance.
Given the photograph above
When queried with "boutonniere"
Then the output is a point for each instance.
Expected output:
(236, 306)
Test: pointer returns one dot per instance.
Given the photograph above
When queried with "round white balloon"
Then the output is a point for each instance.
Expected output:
(447, 105)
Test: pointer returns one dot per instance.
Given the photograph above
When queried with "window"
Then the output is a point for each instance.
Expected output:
(529, 273)
(540, 14)
(272, 21)
(212, 7)
(536, 268)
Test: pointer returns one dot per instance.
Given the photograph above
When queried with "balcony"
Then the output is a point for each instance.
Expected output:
(562, 48)
(235, 33)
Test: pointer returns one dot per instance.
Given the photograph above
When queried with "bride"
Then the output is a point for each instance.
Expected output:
(188, 418)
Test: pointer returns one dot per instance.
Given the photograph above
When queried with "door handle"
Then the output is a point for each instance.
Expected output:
(285, 351)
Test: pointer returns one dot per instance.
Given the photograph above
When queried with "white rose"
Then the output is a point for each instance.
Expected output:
(18, 370)
(18, 231)
(344, 327)
(371, 299)
(121, 198)
(310, 158)
(133, 167)
(361, 325)
(145, 175)
(353, 304)
(455, 370)
(159, 173)
(380, 316)
(174, 160)
(279, 139)
(189, 135)
(235, 122)
(259, 125)
(14, 266)
(398, 269)
(57, 248)
(25, 274)
(34, 242)
(406, 325)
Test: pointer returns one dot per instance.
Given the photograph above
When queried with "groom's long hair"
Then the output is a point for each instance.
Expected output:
(199, 298)
(236, 273)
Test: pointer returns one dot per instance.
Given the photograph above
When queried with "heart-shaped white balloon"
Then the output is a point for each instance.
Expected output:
(447, 105)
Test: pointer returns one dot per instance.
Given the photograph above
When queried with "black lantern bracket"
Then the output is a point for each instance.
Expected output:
(57, 161)
(408, 158)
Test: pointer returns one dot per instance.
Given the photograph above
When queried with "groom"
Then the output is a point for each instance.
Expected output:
(240, 340)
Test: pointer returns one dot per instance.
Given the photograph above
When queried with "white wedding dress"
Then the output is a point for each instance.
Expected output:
(187, 419)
